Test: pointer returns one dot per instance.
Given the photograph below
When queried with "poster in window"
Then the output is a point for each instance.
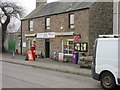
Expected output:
(77, 46)
(83, 47)
(24, 44)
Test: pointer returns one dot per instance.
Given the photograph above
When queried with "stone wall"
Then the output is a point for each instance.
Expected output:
(58, 21)
(101, 21)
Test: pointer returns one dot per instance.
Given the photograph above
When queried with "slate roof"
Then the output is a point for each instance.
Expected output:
(57, 8)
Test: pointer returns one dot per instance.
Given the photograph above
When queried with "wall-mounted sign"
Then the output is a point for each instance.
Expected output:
(30, 35)
(46, 35)
(81, 46)
(24, 44)
(77, 46)
(40, 35)
(76, 38)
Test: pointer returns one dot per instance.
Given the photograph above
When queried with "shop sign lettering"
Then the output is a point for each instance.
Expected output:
(46, 35)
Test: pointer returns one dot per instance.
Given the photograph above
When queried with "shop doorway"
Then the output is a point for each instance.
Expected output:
(47, 48)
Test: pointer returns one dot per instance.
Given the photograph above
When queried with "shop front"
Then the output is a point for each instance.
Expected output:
(49, 43)
(59, 42)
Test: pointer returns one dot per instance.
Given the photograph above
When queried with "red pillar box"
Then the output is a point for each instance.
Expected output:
(30, 56)
(16, 51)
(33, 51)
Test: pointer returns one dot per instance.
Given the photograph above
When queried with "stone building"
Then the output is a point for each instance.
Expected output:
(58, 26)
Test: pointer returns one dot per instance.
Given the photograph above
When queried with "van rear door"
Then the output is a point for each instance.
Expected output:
(94, 74)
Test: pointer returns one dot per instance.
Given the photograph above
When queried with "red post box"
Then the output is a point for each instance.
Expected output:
(33, 51)
(16, 52)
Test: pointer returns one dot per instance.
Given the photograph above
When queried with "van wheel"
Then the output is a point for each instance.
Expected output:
(107, 80)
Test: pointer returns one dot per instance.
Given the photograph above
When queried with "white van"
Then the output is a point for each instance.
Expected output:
(106, 63)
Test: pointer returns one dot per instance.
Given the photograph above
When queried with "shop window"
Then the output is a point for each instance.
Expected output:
(68, 46)
(31, 25)
(47, 23)
(71, 21)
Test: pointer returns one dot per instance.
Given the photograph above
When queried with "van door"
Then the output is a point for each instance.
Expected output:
(94, 74)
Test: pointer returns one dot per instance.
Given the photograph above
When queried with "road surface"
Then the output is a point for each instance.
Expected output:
(19, 76)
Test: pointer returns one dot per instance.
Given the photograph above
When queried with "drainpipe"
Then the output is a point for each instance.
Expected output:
(21, 38)
(115, 17)
(119, 17)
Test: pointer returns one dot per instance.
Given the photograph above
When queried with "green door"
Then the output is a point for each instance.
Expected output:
(11, 45)
(47, 48)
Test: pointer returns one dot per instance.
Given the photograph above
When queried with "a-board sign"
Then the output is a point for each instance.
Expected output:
(30, 56)
(61, 56)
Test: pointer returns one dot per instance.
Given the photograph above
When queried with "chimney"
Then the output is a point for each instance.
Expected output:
(40, 2)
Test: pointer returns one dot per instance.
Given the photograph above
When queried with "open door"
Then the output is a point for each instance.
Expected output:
(47, 48)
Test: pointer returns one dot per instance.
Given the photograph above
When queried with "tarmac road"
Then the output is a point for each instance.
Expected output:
(19, 76)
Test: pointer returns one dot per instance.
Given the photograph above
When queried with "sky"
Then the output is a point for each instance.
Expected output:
(28, 5)
(32, 3)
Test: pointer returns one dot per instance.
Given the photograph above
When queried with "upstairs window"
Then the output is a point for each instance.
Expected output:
(71, 21)
(31, 25)
(47, 23)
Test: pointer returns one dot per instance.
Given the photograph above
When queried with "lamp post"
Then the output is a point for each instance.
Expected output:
(21, 38)
(0, 34)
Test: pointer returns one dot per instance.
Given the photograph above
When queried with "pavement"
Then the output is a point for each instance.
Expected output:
(48, 64)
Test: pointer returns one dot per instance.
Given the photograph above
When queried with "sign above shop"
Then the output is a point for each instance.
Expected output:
(30, 35)
(46, 35)
(64, 33)
(53, 34)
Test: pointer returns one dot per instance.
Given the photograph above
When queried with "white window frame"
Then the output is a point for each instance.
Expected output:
(71, 21)
(31, 25)
(47, 23)
(68, 46)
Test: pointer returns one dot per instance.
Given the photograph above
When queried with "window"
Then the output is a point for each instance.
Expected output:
(31, 25)
(68, 46)
(71, 21)
(47, 23)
